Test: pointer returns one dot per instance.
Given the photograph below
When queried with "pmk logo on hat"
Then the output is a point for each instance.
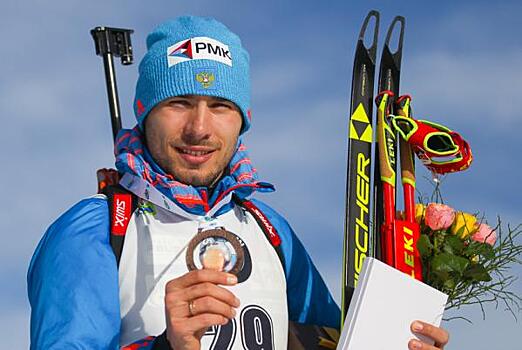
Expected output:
(199, 48)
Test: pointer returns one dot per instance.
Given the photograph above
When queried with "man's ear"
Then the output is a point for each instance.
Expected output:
(144, 132)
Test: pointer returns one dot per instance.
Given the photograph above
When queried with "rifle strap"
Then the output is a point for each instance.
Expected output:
(122, 205)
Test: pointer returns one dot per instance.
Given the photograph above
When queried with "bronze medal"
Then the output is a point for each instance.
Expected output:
(216, 249)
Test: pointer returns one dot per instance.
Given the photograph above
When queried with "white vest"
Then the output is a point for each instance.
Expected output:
(154, 253)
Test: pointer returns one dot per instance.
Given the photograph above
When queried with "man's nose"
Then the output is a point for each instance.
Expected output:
(198, 127)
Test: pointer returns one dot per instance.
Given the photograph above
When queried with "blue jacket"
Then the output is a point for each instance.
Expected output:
(73, 282)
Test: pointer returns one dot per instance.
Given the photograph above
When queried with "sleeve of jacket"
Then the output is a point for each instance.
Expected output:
(309, 300)
(73, 282)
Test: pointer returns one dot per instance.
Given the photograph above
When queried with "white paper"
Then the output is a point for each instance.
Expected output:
(384, 304)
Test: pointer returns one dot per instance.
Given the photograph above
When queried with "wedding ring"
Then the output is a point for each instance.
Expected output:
(191, 308)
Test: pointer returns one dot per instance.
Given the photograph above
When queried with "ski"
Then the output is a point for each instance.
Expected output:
(398, 236)
(357, 228)
(386, 145)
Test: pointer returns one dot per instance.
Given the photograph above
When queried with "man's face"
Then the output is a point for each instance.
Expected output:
(193, 137)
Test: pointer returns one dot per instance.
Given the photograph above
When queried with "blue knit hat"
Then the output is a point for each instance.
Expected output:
(193, 56)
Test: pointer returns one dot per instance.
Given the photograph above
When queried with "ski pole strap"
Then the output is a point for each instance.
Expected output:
(439, 148)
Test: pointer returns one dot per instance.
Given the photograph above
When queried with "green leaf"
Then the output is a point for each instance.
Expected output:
(478, 248)
(449, 285)
(477, 273)
(460, 231)
(424, 246)
(445, 264)
(453, 245)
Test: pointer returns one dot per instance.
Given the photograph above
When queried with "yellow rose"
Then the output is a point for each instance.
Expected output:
(419, 212)
(465, 224)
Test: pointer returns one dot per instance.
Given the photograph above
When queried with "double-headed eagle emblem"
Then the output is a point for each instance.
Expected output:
(206, 79)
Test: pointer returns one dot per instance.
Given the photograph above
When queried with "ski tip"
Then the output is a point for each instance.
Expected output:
(376, 16)
(398, 20)
(373, 13)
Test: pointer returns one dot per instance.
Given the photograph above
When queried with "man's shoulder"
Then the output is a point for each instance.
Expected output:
(277, 220)
(81, 229)
(73, 277)
(272, 214)
(87, 212)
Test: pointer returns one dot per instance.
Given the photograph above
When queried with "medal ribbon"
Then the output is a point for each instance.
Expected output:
(145, 190)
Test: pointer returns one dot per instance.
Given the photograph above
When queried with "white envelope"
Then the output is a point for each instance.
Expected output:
(383, 306)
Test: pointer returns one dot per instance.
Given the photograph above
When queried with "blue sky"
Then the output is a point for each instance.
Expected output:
(461, 64)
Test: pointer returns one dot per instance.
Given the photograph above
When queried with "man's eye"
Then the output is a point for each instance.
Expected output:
(178, 103)
(222, 105)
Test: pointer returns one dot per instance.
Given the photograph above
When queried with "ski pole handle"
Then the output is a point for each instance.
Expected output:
(112, 42)
(386, 152)
(403, 109)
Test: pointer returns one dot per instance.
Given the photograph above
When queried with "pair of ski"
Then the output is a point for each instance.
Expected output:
(372, 227)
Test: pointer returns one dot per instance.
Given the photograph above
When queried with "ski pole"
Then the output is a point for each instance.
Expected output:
(407, 163)
(407, 231)
(112, 42)
(386, 148)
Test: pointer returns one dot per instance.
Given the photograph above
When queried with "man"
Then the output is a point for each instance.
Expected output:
(201, 266)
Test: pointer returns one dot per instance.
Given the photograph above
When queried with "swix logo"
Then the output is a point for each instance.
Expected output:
(199, 48)
(121, 213)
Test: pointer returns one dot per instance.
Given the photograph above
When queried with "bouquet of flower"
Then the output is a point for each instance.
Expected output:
(467, 259)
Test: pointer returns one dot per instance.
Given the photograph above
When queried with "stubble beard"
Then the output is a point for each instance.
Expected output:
(205, 176)
(195, 177)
